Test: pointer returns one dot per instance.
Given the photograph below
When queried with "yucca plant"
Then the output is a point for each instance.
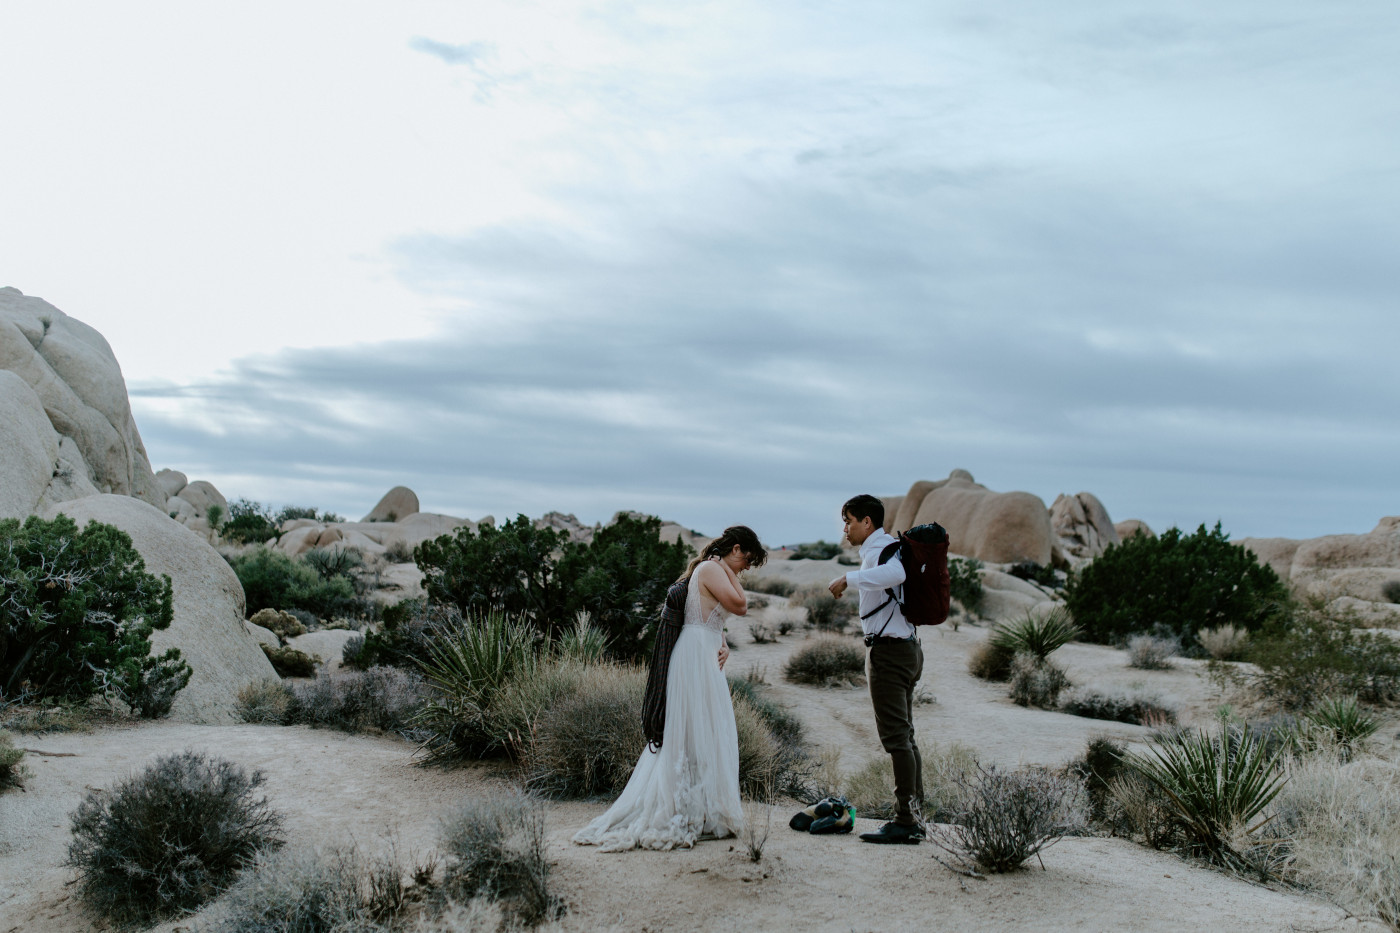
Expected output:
(1341, 722)
(468, 662)
(1215, 784)
(585, 642)
(1036, 635)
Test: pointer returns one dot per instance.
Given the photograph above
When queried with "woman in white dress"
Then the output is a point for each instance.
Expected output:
(688, 789)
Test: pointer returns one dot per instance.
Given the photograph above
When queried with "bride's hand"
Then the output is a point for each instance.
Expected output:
(723, 655)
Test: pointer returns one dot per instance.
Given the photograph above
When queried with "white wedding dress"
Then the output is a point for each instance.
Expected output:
(689, 788)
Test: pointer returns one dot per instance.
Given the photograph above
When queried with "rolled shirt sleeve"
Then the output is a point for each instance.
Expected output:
(880, 577)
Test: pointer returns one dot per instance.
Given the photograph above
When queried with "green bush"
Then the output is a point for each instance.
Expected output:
(290, 662)
(291, 512)
(1101, 765)
(496, 848)
(1391, 590)
(77, 617)
(1316, 653)
(826, 661)
(1174, 585)
(403, 638)
(272, 580)
(170, 838)
(1030, 571)
(819, 550)
(248, 523)
(11, 771)
(1340, 723)
(332, 562)
(1037, 636)
(620, 579)
(1215, 785)
(965, 574)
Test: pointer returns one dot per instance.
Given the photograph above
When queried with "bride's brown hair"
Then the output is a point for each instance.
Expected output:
(741, 535)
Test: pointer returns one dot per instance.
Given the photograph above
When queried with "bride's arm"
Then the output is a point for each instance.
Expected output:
(723, 585)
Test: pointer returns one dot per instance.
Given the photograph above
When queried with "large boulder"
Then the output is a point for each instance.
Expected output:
(1358, 566)
(1132, 526)
(74, 373)
(1082, 525)
(399, 502)
(171, 481)
(29, 452)
(208, 601)
(202, 496)
(997, 527)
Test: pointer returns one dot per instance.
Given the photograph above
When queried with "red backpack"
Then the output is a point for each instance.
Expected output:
(923, 550)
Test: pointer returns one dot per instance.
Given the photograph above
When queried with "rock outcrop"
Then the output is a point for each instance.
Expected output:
(208, 627)
(1335, 566)
(29, 453)
(998, 527)
(1132, 526)
(399, 502)
(72, 370)
(1082, 526)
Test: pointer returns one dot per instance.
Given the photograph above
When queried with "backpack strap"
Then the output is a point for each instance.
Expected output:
(886, 553)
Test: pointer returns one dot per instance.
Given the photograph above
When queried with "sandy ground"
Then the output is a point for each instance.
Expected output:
(336, 789)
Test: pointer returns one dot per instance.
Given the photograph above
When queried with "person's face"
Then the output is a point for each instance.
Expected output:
(857, 529)
(737, 560)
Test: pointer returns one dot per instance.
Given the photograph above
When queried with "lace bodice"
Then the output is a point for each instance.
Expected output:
(694, 611)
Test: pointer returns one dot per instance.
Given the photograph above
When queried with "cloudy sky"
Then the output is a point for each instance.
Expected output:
(726, 261)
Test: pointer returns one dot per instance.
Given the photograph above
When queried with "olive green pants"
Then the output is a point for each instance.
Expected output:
(893, 668)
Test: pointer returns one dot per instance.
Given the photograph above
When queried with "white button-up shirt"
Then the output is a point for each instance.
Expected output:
(871, 581)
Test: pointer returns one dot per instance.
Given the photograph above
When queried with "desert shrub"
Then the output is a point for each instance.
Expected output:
(268, 701)
(1174, 585)
(945, 767)
(470, 659)
(787, 621)
(1151, 653)
(1341, 724)
(53, 716)
(1343, 823)
(824, 611)
(1391, 591)
(1036, 682)
(282, 624)
(1215, 785)
(1037, 636)
(825, 661)
(773, 756)
(248, 522)
(773, 586)
(1139, 708)
(1101, 765)
(11, 771)
(1225, 643)
(583, 643)
(290, 512)
(405, 632)
(77, 614)
(1035, 573)
(272, 580)
(332, 562)
(1139, 807)
(786, 727)
(761, 634)
(1318, 653)
(495, 847)
(991, 661)
(619, 579)
(818, 550)
(587, 742)
(965, 575)
(291, 662)
(1005, 817)
(169, 838)
(397, 551)
(383, 699)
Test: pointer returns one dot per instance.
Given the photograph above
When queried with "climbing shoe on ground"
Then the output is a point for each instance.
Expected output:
(802, 821)
(843, 820)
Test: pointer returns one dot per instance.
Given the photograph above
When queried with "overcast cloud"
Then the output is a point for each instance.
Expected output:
(727, 265)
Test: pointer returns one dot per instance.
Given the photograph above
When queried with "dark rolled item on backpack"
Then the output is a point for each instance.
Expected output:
(668, 629)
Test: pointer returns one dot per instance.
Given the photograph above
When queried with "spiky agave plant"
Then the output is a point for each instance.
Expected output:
(1036, 635)
(1342, 723)
(1215, 783)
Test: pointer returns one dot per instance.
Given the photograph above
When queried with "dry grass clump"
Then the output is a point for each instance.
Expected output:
(1005, 817)
(11, 771)
(1226, 643)
(871, 789)
(170, 838)
(761, 634)
(587, 741)
(824, 611)
(1344, 825)
(268, 701)
(282, 624)
(773, 586)
(826, 661)
(991, 661)
(1138, 708)
(495, 848)
(1150, 653)
(290, 662)
(1036, 681)
(381, 699)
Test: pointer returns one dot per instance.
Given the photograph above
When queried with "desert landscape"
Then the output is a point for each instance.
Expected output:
(72, 448)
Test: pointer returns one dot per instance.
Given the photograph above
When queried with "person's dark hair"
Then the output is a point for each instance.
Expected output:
(741, 535)
(865, 506)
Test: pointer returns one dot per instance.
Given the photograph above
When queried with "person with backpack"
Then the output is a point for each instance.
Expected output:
(895, 659)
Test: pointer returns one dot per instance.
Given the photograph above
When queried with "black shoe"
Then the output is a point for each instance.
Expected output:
(826, 807)
(895, 833)
(842, 820)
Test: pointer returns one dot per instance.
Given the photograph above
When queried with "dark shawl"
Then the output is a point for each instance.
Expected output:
(668, 629)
